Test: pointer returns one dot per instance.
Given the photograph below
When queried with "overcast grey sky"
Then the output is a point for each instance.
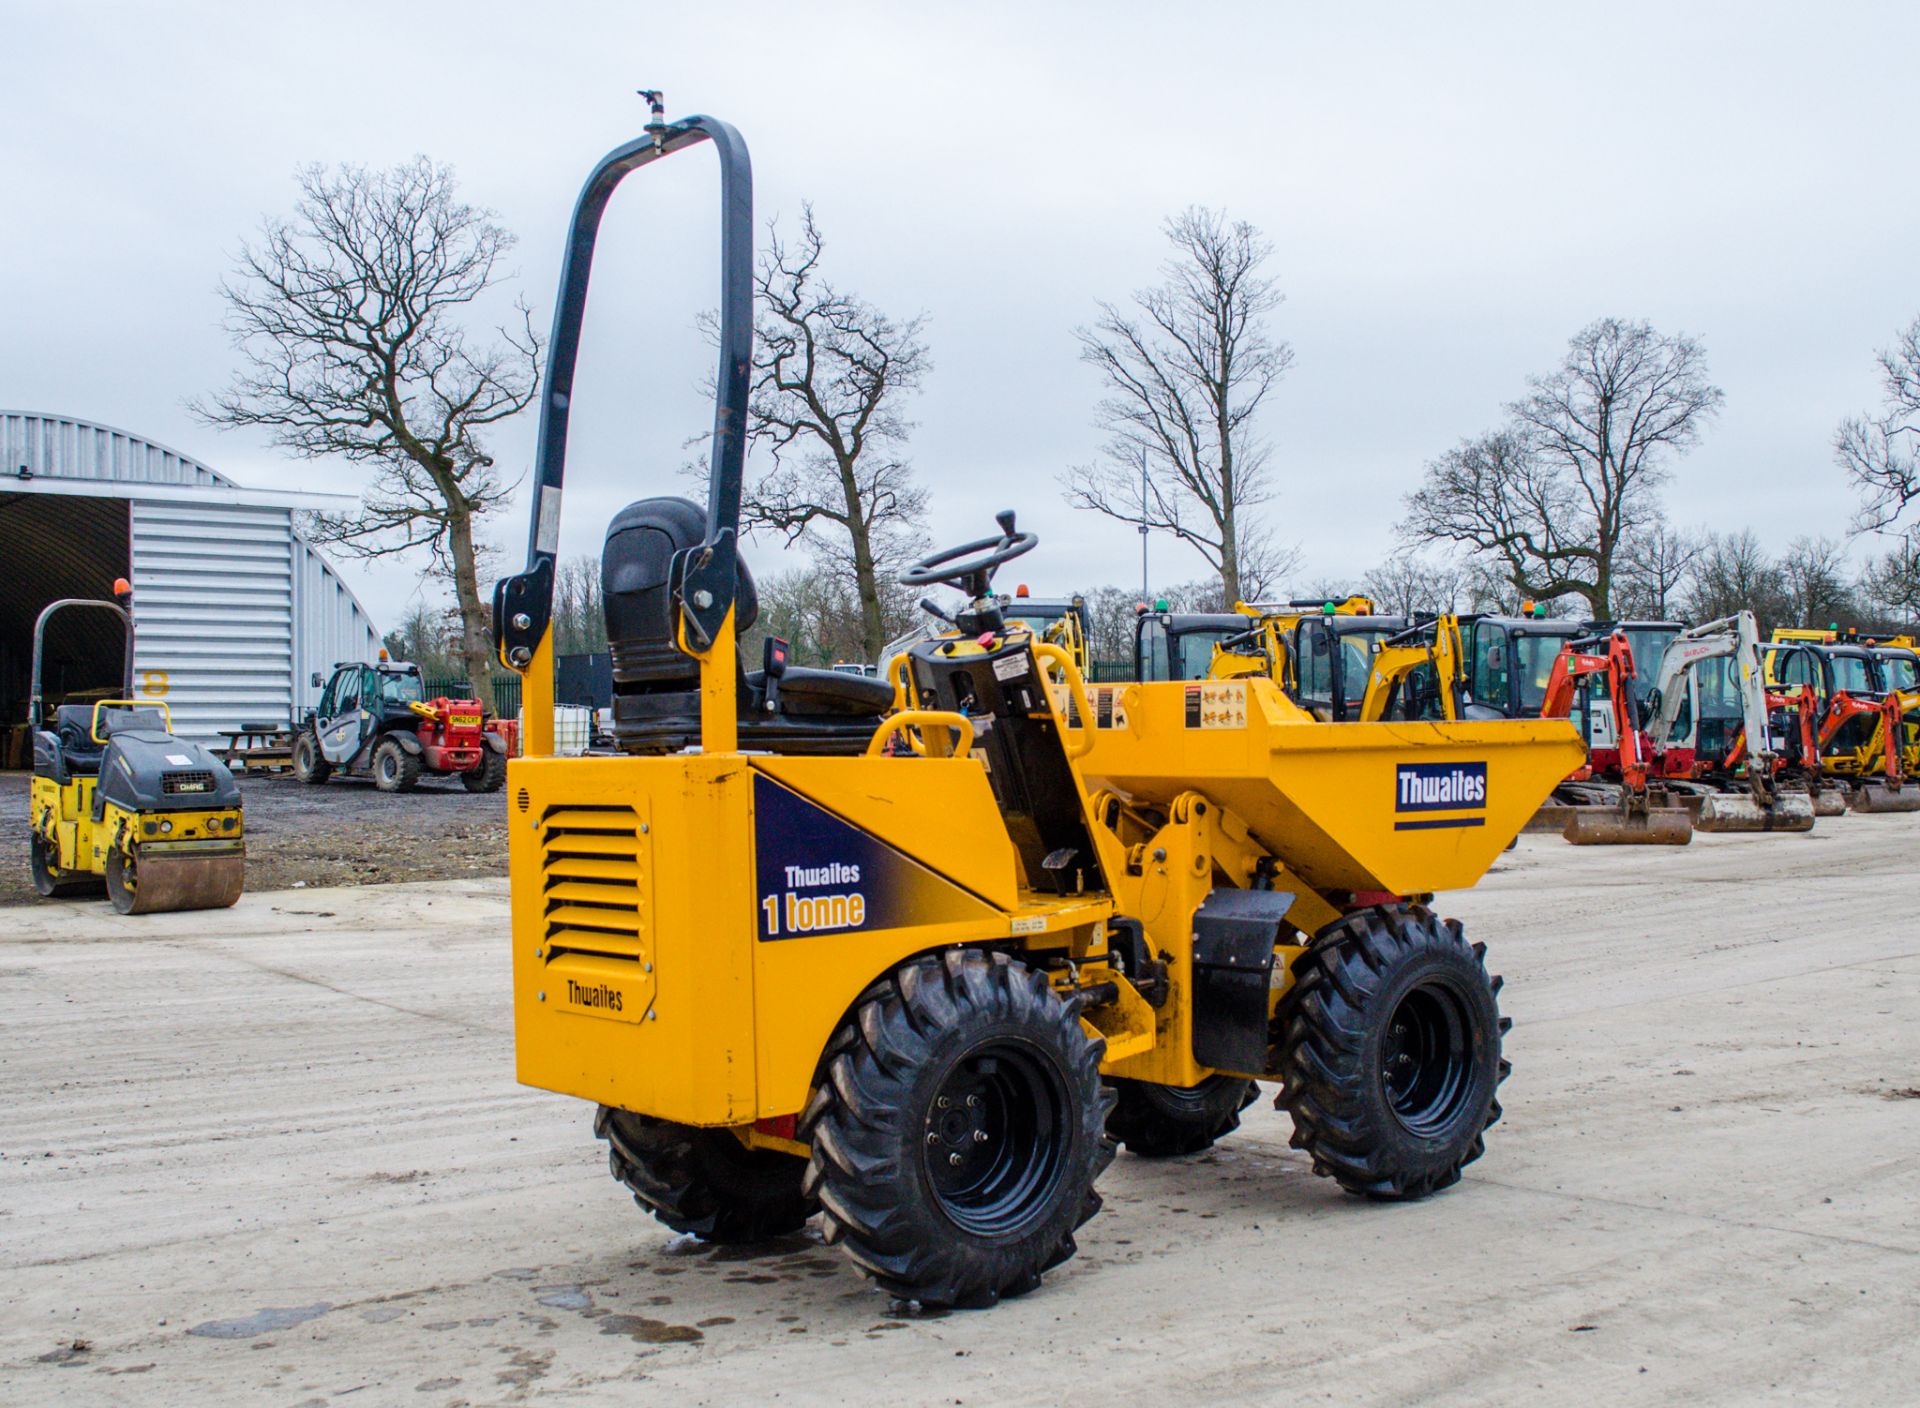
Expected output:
(1451, 192)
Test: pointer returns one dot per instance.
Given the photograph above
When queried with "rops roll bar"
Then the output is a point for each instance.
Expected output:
(703, 576)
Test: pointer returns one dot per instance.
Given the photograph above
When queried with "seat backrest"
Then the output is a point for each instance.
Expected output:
(73, 725)
(634, 568)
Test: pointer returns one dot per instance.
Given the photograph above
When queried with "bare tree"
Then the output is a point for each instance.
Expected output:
(1734, 573)
(1891, 586)
(1407, 583)
(1186, 368)
(349, 318)
(1814, 586)
(1654, 565)
(1554, 497)
(815, 609)
(829, 373)
(579, 613)
(1881, 454)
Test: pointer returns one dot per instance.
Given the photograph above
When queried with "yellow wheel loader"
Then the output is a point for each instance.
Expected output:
(922, 991)
(119, 803)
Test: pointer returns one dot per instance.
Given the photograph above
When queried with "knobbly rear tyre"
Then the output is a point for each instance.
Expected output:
(1391, 1040)
(1166, 1121)
(705, 1181)
(958, 1131)
(489, 776)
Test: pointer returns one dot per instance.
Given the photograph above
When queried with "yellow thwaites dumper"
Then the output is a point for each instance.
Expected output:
(912, 956)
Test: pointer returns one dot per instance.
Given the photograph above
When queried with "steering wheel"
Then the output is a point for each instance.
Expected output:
(971, 566)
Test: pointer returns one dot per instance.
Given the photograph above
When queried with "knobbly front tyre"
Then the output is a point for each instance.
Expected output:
(1165, 1121)
(957, 1133)
(1391, 1040)
(308, 763)
(704, 1181)
(394, 768)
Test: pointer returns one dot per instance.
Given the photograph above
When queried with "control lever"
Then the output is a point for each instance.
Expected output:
(932, 608)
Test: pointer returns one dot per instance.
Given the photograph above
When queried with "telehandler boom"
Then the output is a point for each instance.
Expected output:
(922, 993)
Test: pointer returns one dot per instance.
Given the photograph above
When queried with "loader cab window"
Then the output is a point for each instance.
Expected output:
(1336, 660)
(1181, 648)
(1489, 651)
(1853, 674)
(1899, 670)
(1315, 667)
(1648, 643)
(399, 690)
(343, 695)
(1534, 654)
(1150, 650)
(1797, 667)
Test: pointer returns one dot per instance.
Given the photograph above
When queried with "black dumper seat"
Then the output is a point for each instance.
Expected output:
(656, 688)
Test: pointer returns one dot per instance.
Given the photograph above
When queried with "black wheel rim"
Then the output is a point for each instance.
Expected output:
(996, 1139)
(1427, 1064)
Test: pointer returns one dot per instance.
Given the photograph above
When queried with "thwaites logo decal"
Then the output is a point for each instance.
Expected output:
(818, 875)
(1439, 787)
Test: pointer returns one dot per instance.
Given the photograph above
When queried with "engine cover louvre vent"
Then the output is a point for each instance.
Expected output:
(596, 876)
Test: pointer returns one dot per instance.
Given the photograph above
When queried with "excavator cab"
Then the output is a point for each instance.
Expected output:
(1509, 662)
(1332, 657)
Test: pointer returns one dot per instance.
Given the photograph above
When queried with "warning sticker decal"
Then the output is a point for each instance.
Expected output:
(1217, 704)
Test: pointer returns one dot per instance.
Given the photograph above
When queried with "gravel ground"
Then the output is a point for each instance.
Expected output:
(276, 1154)
(345, 833)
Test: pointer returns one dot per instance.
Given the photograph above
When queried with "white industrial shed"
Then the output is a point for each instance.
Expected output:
(233, 607)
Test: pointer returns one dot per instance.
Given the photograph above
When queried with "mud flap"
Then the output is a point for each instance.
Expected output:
(1234, 933)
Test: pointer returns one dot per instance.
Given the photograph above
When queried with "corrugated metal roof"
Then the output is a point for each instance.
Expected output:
(59, 447)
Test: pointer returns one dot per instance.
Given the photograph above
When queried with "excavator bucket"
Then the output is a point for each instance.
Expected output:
(1829, 801)
(1738, 811)
(1879, 797)
(1610, 826)
(162, 884)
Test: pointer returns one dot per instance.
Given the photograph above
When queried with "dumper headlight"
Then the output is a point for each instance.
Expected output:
(166, 826)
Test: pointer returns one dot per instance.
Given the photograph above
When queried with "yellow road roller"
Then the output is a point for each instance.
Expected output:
(915, 955)
(119, 803)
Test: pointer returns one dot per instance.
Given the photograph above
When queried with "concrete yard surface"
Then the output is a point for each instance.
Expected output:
(277, 1156)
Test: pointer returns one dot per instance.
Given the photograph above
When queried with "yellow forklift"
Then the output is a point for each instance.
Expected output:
(920, 993)
(119, 803)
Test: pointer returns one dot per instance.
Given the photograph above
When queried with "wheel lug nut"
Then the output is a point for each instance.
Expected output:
(943, 1102)
(932, 1137)
(953, 1159)
(979, 1136)
(973, 1102)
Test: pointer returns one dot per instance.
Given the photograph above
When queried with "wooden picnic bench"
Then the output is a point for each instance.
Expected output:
(257, 747)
